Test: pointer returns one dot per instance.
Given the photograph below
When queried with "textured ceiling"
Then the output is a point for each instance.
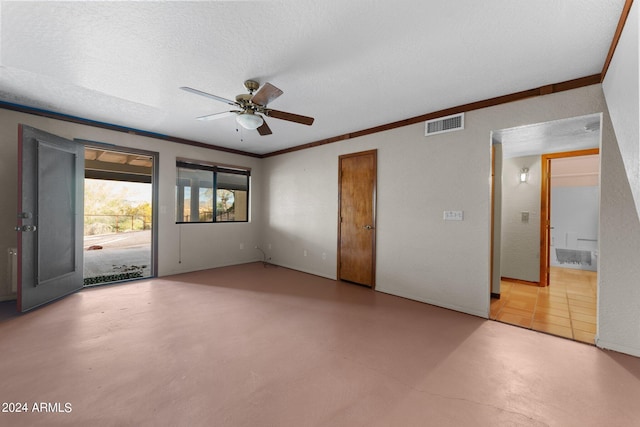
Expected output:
(575, 133)
(350, 64)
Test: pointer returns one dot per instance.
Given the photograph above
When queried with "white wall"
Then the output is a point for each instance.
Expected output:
(202, 245)
(619, 267)
(622, 91)
(575, 209)
(419, 256)
(520, 249)
(574, 222)
(299, 201)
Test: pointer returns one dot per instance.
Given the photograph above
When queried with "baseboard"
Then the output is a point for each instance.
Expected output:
(605, 345)
(453, 307)
(304, 270)
(208, 267)
(495, 295)
(522, 282)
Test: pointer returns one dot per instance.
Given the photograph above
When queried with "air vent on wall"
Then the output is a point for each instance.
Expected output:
(444, 124)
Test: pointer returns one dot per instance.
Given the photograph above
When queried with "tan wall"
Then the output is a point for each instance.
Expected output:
(182, 248)
(619, 267)
(520, 249)
(419, 256)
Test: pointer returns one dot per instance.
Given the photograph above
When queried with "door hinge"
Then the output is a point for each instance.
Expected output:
(26, 228)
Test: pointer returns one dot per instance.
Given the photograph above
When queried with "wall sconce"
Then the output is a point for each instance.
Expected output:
(524, 174)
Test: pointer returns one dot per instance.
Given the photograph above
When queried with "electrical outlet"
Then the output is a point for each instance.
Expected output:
(453, 215)
(305, 252)
(241, 246)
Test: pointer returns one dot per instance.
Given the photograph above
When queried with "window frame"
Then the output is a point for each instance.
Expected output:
(214, 169)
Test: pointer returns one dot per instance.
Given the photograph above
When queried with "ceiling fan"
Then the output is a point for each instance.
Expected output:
(253, 107)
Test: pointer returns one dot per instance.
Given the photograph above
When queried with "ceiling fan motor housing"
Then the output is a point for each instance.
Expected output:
(244, 98)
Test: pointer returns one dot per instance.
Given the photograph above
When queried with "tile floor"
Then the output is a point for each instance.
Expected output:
(567, 307)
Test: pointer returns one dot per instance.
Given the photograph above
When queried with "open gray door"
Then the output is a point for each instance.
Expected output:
(50, 217)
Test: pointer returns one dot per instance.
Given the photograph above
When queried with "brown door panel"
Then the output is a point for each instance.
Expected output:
(356, 248)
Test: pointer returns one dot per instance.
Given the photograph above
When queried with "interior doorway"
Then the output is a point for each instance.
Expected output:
(569, 211)
(545, 278)
(118, 215)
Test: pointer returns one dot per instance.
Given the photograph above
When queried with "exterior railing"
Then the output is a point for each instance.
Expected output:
(207, 216)
(105, 224)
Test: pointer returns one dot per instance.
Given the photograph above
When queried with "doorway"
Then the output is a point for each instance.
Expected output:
(51, 170)
(118, 215)
(356, 217)
(569, 231)
(553, 288)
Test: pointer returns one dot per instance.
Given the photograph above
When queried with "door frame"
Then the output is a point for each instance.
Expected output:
(374, 197)
(545, 207)
(155, 175)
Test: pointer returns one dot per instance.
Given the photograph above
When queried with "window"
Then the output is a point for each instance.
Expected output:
(206, 193)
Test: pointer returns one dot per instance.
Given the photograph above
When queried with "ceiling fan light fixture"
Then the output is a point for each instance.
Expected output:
(249, 120)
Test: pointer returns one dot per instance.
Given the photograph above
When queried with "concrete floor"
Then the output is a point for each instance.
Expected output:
(119, 251)
(114, 261)
(255, 346)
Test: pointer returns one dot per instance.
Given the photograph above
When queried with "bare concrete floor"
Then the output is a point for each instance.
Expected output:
(119, 253)
(255, 346)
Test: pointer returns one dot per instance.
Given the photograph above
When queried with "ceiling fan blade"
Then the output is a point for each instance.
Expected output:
(208, 95)
(221, 115)
(282, 115)
(266, 94)
(264, 129)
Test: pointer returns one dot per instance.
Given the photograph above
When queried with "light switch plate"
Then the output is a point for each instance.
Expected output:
(453, 215)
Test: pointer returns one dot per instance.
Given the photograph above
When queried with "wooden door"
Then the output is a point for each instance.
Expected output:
(356, 223)
(50, 217)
